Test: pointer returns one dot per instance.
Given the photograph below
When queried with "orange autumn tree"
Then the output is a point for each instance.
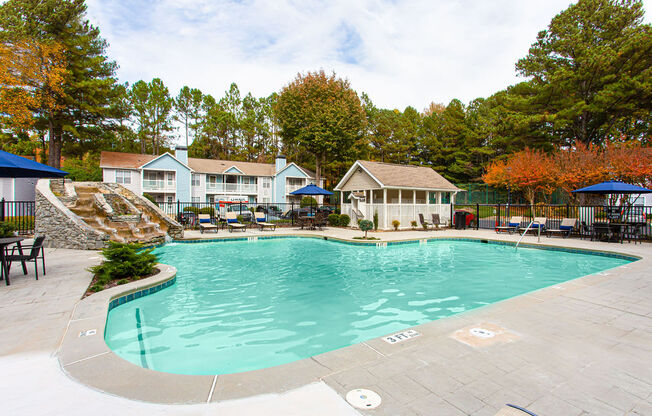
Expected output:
(579, 167)
(629, 162)
(529, 171)
(31, 80)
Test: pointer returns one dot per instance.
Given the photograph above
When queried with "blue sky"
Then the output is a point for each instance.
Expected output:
(401, 53)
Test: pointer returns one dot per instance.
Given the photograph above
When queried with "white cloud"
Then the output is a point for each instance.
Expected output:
(400, 52)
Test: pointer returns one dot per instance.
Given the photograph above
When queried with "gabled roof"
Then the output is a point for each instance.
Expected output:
(220, 166)
(211, 166)
(308, 173)
(166, 154)
(391, 175)
(234, 169)
(124, 160)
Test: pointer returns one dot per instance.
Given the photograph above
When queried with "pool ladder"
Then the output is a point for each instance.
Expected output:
(528, 229)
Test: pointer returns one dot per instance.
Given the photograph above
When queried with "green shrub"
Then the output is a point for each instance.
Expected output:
(413, 224)
(240, 219)
(307, 201)
(194, 210)
(123, 263)
(208, 210)
(333, 220)
(6, 229)
(148, 196)
(344, 220)
(376, 220)
(395, 224)
(337, 211)
(366, 225)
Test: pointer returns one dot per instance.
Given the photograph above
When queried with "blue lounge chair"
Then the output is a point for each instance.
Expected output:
(233, 223)
(511, 226)
(261, 221)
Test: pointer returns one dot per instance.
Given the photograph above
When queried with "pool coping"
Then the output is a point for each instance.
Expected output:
(87, 358)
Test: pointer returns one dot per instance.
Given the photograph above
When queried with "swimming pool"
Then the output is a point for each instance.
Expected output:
(239, 306)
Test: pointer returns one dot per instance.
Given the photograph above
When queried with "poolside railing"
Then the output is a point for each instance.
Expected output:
(490, 216)
(20, 214)
(281, 214)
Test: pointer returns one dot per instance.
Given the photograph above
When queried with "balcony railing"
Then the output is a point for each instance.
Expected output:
(240, 188)
(159, 185)
(291, 188)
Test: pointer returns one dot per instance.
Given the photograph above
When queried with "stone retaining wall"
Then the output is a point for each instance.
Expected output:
(62, 227)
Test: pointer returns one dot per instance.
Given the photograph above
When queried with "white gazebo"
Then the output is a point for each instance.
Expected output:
(395, 192)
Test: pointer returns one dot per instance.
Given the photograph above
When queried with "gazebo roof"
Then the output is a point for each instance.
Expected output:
(390, 175)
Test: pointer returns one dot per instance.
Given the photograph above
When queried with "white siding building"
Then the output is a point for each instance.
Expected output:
(171, 178)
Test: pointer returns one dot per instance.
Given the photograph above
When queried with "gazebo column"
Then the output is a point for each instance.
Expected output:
(384, 208)
(414, 205)
(400, 205)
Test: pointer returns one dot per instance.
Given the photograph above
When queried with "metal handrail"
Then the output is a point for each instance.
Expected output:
(527, 229)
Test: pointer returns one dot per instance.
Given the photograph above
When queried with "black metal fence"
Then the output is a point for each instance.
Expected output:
(281, 214)
(489, 216)
(20, 214)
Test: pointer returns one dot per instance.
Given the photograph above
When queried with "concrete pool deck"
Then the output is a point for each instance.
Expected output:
(581, 347)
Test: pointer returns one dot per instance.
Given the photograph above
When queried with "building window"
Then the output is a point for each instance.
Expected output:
(445, 197)
(267, 183)
(195, 180)
(195, 199)
(170, 178)
(123, 176)
(170, 199)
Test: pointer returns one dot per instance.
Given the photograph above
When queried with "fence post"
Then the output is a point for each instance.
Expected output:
(498, 223)
(2, 210)
(477, 216)
(292, 213)
(451, 221)
(178, 209)
(567, 211)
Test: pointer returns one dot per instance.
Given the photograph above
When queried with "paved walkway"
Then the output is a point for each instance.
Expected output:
(579, 348)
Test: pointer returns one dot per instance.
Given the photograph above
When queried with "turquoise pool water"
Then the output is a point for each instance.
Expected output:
(239, 306)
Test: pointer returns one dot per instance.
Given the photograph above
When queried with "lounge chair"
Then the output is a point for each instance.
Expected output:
(565, 228)
(537, 223)
(436, 221)
(513, 410)
(511, 226)
(205, 223)
(425, 224)
(261, 221)
(36, 252)
(232, 222)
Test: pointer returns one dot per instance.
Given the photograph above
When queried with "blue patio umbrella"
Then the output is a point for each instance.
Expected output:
(613, 187)
(13, 166)
(311, 190)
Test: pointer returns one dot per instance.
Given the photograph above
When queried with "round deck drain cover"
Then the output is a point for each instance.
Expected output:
(482, 333)
(363, 399)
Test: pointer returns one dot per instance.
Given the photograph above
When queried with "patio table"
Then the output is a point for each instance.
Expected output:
(310, 220)
(613, 231)
(4, 242)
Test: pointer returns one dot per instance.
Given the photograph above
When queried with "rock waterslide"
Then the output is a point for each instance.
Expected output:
(87, 214)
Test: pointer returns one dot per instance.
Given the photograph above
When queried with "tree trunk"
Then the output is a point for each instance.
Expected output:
(317, 169)
(54, 153)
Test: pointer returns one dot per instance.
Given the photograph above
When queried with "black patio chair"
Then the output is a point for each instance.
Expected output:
(320, 221)
(425, 224)
(35, 253)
